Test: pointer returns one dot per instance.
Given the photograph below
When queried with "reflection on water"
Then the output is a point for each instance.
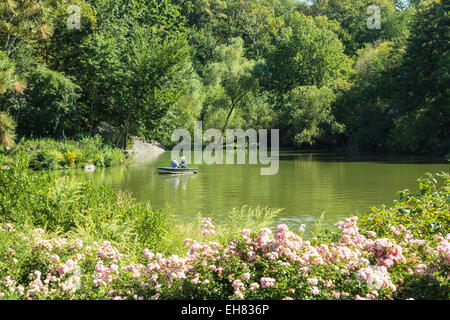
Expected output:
(307, 184)
(176, 180)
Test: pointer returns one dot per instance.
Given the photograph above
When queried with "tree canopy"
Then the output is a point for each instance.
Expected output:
(321, 71)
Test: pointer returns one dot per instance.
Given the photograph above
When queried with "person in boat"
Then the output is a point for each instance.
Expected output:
(174, 163)
(183, 163)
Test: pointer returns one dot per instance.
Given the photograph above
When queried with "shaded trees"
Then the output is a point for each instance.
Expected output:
(51, 102)
(423, 124)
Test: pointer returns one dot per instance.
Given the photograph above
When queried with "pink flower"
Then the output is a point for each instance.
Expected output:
(207, 227)
(148, 255)
(246, 276)
(313, 281)
(156, 296)
(237, 285)
(254, 286)
(267, 282)
(315, 291)
(304, 269)
(335, 295)
(372, 234)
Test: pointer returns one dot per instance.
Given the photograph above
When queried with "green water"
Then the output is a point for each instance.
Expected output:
(307, 184)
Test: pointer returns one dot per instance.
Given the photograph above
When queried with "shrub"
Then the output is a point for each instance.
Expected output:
(70, 156)
(425, 215)
(51, 154)
(45, 160)
(112, 156)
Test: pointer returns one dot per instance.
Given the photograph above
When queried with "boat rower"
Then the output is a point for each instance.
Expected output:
(174, 163)
(183, 163)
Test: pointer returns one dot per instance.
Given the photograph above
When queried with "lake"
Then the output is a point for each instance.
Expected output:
(308, 185)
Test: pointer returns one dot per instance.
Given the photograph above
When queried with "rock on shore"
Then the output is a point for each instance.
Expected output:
(140, 146)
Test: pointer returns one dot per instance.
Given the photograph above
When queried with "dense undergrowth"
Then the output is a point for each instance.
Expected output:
(64, 239)
(51, 154)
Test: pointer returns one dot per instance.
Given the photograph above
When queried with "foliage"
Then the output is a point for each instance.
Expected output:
(7, 128)
(152, 81)
(230, 75)
(304, 54)
(51, 154)
(366, 107)
(8, 77)
(149, 67)
(423, 122)
(352, 16)
(426, 215)
(393, 262)
(53, 97)
(64, 205)
(307, 113)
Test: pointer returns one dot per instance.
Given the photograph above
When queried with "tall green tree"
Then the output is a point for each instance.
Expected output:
(305, 54)
(51, 104)
(256, 22)
(24, 21)
(9, 80)
(306, 115)
(232, 74)
(151, 81)
(423, 124)
(366, 106)
(99, 73)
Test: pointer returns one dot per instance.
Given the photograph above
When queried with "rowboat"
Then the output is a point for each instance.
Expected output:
(169, 170)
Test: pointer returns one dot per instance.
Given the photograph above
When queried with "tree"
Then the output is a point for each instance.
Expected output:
(24, 21)
(7, 128)
(423, 124)
(63, 48)
(9, 80)
(206, 20)
(305, 54)
(366, 107)
(99, 73)
(306, 115)
(353, 16)
(256, 22)
(232, 74)
(51, 102)
(10, 85)
(151, 81)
